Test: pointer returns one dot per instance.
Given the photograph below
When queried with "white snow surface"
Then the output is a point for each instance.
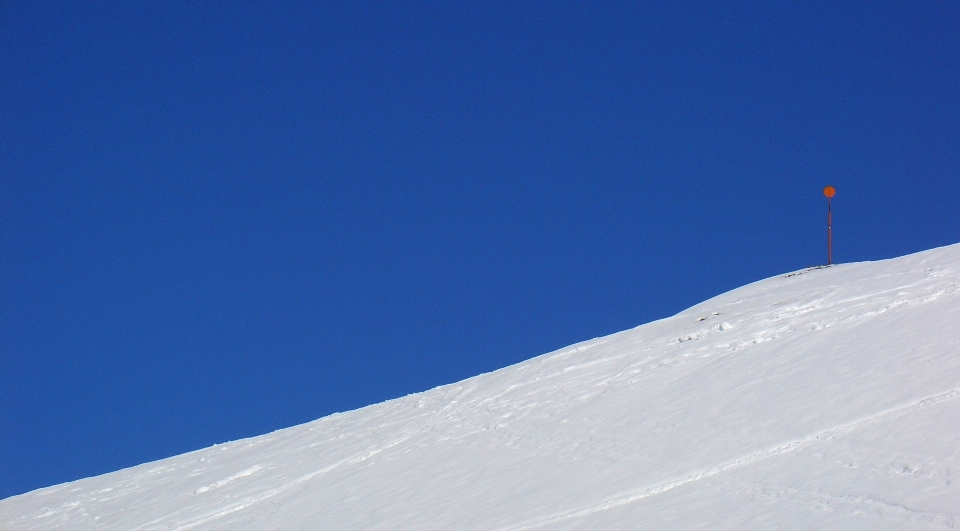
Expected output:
(824, 399)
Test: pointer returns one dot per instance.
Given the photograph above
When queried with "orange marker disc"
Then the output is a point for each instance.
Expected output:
(829, 191)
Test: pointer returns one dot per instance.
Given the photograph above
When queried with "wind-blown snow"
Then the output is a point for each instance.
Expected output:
(823, 399)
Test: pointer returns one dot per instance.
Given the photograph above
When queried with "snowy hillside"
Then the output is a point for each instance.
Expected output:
(822, 399)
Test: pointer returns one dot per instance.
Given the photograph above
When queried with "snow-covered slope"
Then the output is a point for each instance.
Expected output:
(823, 399)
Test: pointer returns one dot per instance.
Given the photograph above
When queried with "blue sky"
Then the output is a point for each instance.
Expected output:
(219, 220)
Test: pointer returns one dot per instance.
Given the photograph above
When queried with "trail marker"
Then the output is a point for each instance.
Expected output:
(829, 192)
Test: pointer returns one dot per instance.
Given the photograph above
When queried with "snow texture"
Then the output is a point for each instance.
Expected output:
(823, 399)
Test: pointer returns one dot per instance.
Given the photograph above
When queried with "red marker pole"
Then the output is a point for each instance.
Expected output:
(829, 192)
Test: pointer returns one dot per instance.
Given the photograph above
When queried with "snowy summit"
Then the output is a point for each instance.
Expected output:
(823, 399)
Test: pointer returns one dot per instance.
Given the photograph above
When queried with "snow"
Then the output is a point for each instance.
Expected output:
(824, 399)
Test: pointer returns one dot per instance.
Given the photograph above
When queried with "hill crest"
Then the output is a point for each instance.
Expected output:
(824, 398)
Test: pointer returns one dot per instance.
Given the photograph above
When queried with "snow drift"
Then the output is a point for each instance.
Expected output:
(822, 399)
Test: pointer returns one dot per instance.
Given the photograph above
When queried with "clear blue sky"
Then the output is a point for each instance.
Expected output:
(217, 220)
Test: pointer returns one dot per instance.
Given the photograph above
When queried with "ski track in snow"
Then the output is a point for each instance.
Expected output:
(780, 449)
(242, 474)
(252, 500)
(840, 503)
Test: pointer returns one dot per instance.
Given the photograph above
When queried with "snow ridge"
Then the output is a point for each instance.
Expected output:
(820, 399)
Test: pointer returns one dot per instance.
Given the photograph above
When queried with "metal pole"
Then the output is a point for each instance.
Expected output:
(829, 192)
(829, 233)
